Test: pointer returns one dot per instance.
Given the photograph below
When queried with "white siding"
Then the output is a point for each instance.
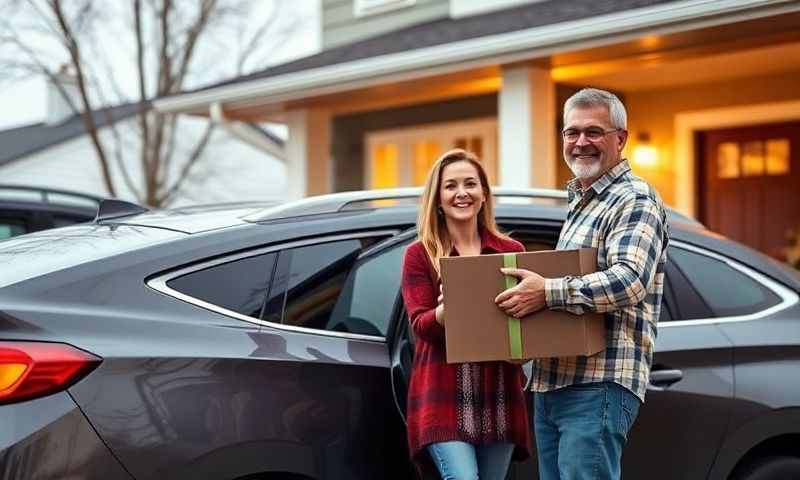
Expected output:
(228, 171)
(341, 26)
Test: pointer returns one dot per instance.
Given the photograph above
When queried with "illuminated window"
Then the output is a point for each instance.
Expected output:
(403, 157)
(728, 160)
(753, 159)
(425, 154)
(476, 146)
(384, 166)
(778, 156)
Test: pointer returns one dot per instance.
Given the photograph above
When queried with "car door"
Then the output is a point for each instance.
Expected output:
(688, 402)
(344, 291)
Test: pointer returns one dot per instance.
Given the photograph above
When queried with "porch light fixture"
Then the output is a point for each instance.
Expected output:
(644, 154)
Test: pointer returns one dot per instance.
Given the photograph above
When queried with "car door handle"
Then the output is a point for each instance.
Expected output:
(661, 379)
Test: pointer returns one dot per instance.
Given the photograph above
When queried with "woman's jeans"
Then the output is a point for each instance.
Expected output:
(582, 429)
(464, 461)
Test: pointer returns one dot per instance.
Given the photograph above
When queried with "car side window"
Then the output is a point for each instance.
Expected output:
(318, 274)
(725, 290)
(365, 304)
(11, 228)
(239, 285)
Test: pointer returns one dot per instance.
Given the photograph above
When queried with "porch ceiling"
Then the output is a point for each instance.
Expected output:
(656, 71)
(649, 59)
(467, 83)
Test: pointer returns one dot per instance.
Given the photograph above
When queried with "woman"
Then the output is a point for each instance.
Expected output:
(469, 418)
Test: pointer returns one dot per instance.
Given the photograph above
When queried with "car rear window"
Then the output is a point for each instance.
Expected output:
(35, 254)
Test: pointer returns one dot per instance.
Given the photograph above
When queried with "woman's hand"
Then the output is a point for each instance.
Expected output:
(440, 307)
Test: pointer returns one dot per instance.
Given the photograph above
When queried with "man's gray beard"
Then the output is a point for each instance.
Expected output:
(582, 170)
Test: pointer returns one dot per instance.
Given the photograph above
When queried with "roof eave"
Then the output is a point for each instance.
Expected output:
(479, 52)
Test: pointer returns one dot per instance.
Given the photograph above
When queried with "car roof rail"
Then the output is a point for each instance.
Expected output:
(110, 209)
(46, 195)
(369, 199)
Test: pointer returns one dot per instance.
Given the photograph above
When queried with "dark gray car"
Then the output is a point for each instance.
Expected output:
(271, 343)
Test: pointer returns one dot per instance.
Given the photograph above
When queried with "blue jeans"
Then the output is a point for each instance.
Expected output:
(464, 461)
(582, 429)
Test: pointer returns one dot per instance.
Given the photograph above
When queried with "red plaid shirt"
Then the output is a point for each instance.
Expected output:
(479, 403)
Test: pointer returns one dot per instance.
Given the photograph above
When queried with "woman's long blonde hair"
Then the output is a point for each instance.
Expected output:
(431, 226)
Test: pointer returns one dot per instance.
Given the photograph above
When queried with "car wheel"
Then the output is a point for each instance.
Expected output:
(770, 468)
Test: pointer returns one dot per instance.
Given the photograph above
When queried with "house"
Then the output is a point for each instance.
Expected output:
(241, 162)
(712, 90)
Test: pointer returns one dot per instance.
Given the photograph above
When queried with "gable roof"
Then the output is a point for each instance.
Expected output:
(28, 139)
(448, 30)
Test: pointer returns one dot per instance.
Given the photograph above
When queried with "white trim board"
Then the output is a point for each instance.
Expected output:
(482, 51)
(687, 123)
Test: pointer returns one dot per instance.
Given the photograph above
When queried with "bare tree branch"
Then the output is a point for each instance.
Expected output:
(187, 167)
(193, 35)
(88, 120)
(167, 42)
(142, 73)
(169, 153)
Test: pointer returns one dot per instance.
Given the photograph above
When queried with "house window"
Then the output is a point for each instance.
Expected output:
(728, 160)
(403, 157)
(362, 8)
(755, 158)
(425, 154)
(384, 166)
(778, 156)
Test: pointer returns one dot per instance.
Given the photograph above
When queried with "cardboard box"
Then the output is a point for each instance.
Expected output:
(477, 330)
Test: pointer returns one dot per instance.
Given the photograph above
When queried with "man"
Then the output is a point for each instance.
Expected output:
(584, 406)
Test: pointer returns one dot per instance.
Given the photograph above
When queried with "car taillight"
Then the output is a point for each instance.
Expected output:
(35, 369)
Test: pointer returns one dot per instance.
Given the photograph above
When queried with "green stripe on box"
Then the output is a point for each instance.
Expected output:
(514, 328)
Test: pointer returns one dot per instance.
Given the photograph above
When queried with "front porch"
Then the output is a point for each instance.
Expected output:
(677, 84)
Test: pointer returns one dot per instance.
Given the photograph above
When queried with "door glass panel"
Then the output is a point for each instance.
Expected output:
(778, 156)
(317, 276)
(753, 159)
(385, 172)
(425, 155)
(728, 160)
(365, 305)
(476, 146)
(239, 286)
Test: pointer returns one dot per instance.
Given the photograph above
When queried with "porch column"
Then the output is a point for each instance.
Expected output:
(308, 153)
(527, 128)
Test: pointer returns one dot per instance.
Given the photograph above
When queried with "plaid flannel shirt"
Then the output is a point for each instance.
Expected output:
(623, 217)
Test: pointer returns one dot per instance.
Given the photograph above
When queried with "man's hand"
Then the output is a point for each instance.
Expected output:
(525, 298)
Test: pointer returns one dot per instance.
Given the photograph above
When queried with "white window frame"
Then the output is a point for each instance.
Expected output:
(405, 138)
(363, 8)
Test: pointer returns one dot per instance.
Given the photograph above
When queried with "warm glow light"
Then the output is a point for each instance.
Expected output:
(384, 166)
(645, 155)
(650, 41)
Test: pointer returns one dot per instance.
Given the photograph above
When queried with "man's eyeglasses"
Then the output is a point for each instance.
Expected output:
(593, 134)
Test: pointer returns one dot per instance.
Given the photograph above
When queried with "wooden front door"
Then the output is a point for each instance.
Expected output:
(750, 184)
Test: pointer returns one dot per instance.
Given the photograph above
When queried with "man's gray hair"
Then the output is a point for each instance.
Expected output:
(593, 97)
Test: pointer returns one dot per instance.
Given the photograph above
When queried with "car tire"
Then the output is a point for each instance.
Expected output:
(770, 468)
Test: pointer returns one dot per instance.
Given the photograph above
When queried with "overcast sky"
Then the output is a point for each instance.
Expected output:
(24, 102)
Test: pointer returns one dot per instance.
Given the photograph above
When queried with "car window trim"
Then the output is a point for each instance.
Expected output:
(787, 296)
(159, 282)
